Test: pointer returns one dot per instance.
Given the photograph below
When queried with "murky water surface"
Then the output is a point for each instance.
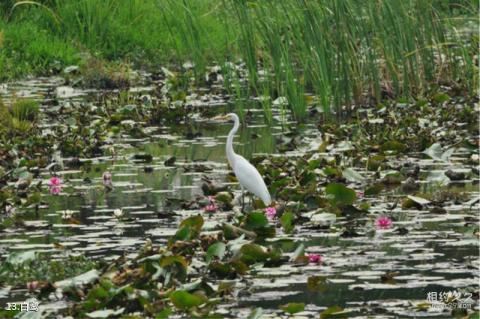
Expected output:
(438, 254)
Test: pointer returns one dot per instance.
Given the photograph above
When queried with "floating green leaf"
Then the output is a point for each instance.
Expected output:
(224, 197)
(252, 253)
(436, 152)
(215, 250)
(194, 222)
(293, 307)
(188, 229)
(82, 279)
(341, 194)
(352, 175)
(255, 314)
(419, 200)
(164, 314)
(184, 300)
(255, 220)
(20, 258)
(330, 312)
(287, 221)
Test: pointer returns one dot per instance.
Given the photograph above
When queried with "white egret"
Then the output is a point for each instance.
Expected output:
(247, 175)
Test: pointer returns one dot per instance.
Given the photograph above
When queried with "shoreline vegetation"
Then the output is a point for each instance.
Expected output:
(343, 52)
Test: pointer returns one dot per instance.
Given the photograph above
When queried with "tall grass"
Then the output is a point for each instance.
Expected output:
(346, 52)
(354, 51)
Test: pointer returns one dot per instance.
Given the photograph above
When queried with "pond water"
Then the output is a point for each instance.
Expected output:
(436, 254)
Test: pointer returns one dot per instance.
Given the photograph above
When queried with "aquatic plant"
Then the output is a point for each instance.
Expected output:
(55, 190)
(67, 214)
(343, 53)
(55, 185)
(118, 213)
(25, 110)
(314, 258)
(55, 181)
(212, 206)
(383, 222)
(20, 118)
(270, 212)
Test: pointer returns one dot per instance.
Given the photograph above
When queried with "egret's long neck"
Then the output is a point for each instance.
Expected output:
(231, 135)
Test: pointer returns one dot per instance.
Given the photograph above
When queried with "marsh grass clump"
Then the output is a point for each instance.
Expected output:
(97, 73)
(25, 110)
(20, 118)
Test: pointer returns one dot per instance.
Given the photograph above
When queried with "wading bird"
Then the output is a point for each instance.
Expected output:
(247, 175)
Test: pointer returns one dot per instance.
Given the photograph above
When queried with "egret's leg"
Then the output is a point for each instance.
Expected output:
(243, 199)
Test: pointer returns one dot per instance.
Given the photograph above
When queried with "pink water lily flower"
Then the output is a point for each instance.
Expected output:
(383, 222)
(55, 190)
(55, 181)
(271, 212)
(315, 258)
(212, 207)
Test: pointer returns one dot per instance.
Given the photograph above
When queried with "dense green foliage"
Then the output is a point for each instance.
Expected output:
(344, 52)
(23, 267)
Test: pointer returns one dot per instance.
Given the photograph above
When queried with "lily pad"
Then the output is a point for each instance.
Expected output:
(341, 194)
(436, 152)
(83, 279)
(20, 258)
(287, 222)
(257, 313)
(184, 300)
(352, 175)
(293, 307)
(419, 200)
(215, 250)
(330, 312)
(255, 220)
(252, 253)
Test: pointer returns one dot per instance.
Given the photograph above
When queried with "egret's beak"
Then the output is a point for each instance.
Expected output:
(220, 118)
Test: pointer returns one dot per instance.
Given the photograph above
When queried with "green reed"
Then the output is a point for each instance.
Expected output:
(345, 52)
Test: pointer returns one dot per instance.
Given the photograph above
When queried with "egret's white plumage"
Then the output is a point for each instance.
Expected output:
(246, 173)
